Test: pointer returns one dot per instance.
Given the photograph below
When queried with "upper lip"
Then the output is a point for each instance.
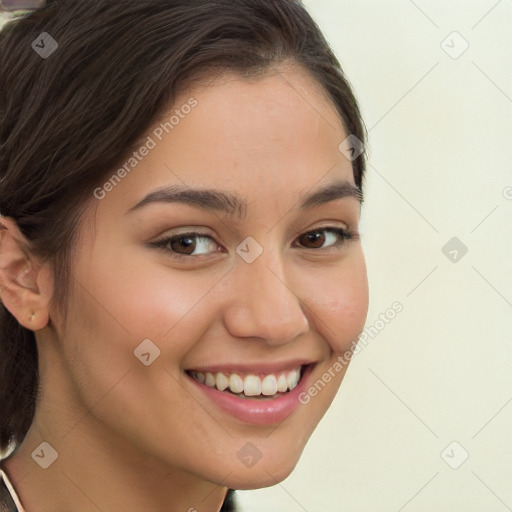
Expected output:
(256, 367)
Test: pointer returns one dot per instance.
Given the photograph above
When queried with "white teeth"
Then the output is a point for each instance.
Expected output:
(251, 385)
(236, 384)
(269, 385)
(210, 380)
(282, 383)
(293, 379)
(221, 381)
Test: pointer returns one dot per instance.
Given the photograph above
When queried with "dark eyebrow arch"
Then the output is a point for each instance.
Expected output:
(230, 204)
(336, 190)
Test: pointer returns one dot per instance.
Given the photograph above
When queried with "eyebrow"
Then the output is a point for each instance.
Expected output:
(232, 205)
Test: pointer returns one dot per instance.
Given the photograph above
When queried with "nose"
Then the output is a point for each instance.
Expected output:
(263, 304)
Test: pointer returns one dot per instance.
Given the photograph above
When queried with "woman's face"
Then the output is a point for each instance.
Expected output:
(247, 293)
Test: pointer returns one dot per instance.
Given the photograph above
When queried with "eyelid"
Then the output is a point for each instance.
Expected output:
(328, 224)
(296, 232)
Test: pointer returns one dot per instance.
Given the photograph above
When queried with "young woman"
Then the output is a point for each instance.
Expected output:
(180, 266)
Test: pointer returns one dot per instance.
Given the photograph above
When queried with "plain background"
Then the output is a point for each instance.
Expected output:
(440, 163)
(440, 166)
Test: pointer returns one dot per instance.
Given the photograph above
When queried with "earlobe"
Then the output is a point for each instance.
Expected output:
(19, 278)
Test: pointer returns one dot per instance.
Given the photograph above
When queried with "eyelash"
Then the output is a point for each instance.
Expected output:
(344, 234)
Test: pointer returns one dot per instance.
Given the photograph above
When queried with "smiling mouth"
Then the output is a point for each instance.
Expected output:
(259, 386)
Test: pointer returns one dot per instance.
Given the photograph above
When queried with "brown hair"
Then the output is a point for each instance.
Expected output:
(68, 119)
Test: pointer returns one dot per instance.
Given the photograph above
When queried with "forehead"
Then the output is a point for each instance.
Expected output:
(279, 105)
(265, 138)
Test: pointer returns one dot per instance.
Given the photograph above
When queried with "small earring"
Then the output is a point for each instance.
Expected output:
(32, 316)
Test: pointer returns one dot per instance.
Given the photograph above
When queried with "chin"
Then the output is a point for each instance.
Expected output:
(262, 474)
(258, 479)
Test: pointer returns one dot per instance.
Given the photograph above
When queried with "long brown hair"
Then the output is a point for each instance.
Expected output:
(68, 118)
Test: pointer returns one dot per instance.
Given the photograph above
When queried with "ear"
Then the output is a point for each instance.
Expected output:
(25, 284)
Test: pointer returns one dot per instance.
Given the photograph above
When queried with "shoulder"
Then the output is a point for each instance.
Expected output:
(6, 501)
(229, 504)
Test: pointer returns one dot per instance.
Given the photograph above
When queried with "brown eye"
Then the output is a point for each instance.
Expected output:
(187, 244)
(317, 238)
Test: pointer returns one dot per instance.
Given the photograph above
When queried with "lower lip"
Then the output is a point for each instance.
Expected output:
(256, 411)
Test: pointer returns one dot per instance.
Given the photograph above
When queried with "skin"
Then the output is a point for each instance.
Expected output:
(146, 431)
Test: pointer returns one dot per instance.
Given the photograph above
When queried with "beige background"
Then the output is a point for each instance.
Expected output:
(440, 125)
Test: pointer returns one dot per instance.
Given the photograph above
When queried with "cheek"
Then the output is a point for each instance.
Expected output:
(145, 298)
(109, 321)
(123, 302)
(340, 309)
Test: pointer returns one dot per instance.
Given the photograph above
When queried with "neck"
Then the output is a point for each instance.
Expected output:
(96, 470)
